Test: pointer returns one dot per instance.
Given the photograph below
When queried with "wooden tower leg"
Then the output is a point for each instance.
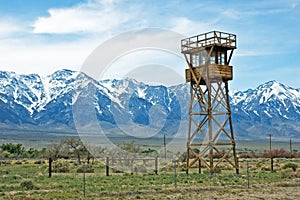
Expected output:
(236, 163)
(187, 161)
(210, 129)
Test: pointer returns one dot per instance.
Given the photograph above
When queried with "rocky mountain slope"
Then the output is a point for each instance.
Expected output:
(65, 100)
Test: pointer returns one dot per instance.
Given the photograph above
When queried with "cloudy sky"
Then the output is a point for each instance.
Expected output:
(45, 36)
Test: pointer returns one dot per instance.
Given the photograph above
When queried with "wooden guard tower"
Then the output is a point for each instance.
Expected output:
(210, 132)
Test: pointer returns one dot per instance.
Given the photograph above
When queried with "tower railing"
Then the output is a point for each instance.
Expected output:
(207, 39)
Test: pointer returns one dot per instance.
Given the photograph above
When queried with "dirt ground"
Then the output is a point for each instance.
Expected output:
(263, 192)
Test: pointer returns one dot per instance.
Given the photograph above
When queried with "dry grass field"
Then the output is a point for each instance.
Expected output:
(28, 179)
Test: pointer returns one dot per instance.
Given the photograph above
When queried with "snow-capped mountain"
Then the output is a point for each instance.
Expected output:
(29, 101)
(271, 99)
(271, 108)
(65, 100)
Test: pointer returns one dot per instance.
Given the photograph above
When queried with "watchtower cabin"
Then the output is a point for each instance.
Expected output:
(211, 51)
(210, 132)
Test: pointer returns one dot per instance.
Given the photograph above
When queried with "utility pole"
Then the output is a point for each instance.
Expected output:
(165, 147)
(271, 156)
(84, 179)
(248, 174)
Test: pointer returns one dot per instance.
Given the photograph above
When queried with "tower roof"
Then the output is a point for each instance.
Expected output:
(202, 41)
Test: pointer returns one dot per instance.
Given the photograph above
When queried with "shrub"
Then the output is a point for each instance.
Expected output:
(60, 166)
(277, 153)
(38, 162)
(117, 170)
(286, 174)
(86, 168)
(150, 152)
(259, 164)
(248, 155)
(38, 175)
(17, 176)
(18, 162)
(293, 166)
(297, 174)
(220, 154)
(139, 169)
(167, 168)
(4, 172)
(6, 154)
(265, 168)
(130, 147)
(218, 169)
(27, 185)
(5, 162)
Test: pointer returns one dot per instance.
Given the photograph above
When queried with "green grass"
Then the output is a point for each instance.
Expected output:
(143, 186)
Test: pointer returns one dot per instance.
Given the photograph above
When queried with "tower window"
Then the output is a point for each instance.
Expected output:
(202, 57)
(221, 58)
(195, 59)
(212, 58)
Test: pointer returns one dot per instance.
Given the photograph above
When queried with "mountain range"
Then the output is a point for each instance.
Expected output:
(66, 100)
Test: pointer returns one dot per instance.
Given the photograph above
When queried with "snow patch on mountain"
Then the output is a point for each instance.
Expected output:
(45, 101)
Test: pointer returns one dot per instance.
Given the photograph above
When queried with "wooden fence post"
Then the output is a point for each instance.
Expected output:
(199, 169)
(107, 166)
(131, 167)
(50, 167)
(156, 166)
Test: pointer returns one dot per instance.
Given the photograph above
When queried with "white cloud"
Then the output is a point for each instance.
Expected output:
(257, 52)
(25, 58)
(24, 51)
(152, 66)
(231, 14)
(94, 16)
(258, 9)
(125, 52)
(188, 27)
(8, 27)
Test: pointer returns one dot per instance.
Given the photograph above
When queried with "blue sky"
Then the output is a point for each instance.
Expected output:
(44, 36)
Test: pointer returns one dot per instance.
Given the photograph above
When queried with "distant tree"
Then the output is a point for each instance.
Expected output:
(34, 153)
(16, 149)
(130, 147)
(278, 153)
(54, 150)
(93, 151)
(76, 147)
